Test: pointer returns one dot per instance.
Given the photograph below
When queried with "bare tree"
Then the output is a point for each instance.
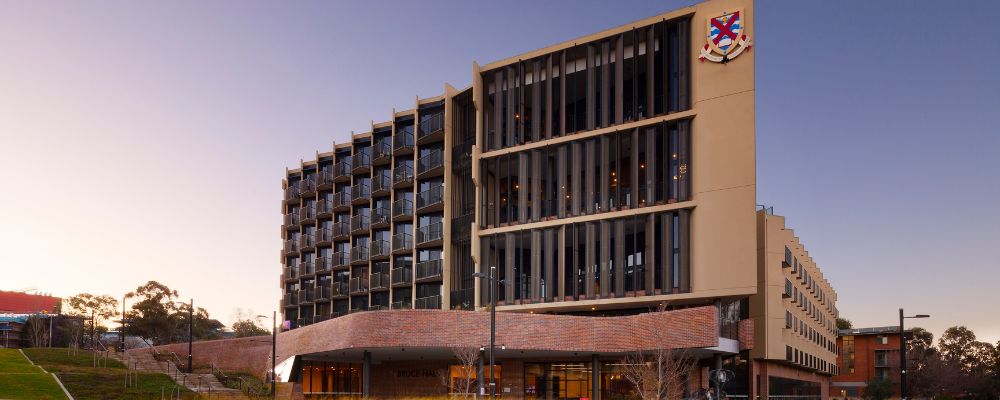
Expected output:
(659, 373)
(464, 385)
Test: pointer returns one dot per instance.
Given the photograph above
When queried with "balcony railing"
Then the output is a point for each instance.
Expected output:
(359, 254)
(381, 184)
(324, 208)
(307, 213)
(430, 161)
(401, 305)
(307, 267)
(380, 248)
(323, 235)
(324, 264)
(380, 216)
(291, 246)
(290, 299)
(322, 293)
(402, 174)
(292, 219)
(428, 303)
(341, 259)
(402, 242)
(293, 191)
(430, 233)
(430, 269)
(402, 208)
(361, 161)
(431, 124)
(339, 290)
(380, 281)
(361, 192)
(360, 223)
(324, 178)
(290, 272)
(342, 169)
(307, 186)
(359, 285)
(430, 197)
(341, 229)
(342, 200)
(382, 149)
(305, 296)
(306, 241)
(402, 140)
(402, 276)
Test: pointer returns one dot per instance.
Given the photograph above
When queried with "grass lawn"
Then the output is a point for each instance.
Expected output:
(84, 382)
(21, 380)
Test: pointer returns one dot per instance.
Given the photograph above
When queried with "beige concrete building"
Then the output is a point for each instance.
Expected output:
(603, 176)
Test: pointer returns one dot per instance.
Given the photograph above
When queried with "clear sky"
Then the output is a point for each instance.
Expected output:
(147, 140)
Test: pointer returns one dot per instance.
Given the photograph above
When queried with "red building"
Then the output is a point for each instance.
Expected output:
(866, 354)
(24, 303)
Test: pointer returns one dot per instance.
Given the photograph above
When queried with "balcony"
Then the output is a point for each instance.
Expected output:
(379, 282)
(359, 255)
(401, 305)
(428, 303)
(291, 247)
(290, 273)
(380, 249)
(324, 179)
(402, 176)
(430, 235)
(339, 290)
(402, 243)
(324, 208)
(341, 230)
(359, 286)
(361, 163)
(292, 220)
(341, 259)
(402, 276)
(429, 270)
(307, 186)
(290, 300)
(381, 186)
(342, 170)
(380, 217)
(305, 296)
(431, 199)
(292, 192)
(323, 237)
(382, 152)
(430, 164)
(402, 210)
(306, 267)
(431, 128)
(402, 142)
(361, 193)
(342, 200)
(306, 241)
(321, 293)
(308, 215)
(324, 264)
(360, 224)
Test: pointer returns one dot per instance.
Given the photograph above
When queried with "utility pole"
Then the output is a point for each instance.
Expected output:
(93, 332)
(121, 331)
(190, 337)
(274, 349)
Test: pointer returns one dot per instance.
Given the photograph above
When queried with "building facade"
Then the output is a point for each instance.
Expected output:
(866, 354)
(595, 180)
(795, 313)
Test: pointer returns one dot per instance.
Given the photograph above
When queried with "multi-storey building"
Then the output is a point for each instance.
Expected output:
(866, 354)
(795, 313)
(595, 180)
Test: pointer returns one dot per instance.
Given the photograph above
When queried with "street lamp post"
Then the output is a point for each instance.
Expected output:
(902, 352)
(274, 347)
(191, 337)
(493, 281)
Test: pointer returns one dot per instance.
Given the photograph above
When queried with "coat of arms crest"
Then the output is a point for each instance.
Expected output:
(726, 39)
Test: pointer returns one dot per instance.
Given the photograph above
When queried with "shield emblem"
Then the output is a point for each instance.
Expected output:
(724, 31)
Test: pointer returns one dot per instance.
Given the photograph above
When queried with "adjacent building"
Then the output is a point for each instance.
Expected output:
(597, 181)
(866, 354)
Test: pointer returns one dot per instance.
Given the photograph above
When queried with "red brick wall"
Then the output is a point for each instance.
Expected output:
(250, 355)
(746, 334)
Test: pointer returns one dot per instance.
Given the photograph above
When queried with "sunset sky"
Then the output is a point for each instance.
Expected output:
(147, 140)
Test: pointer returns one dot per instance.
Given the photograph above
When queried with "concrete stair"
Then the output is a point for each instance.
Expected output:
(206, 385)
